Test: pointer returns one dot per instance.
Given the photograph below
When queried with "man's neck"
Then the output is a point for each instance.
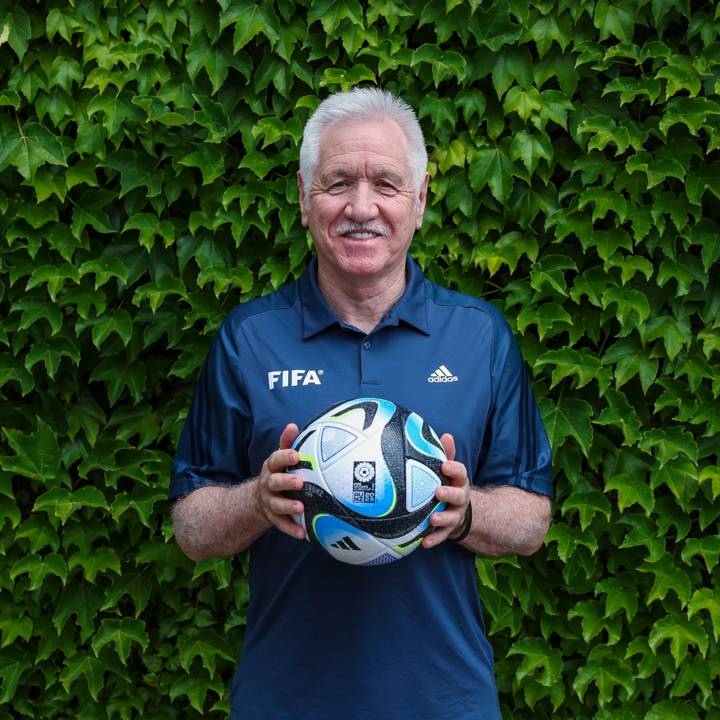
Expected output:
(365, 301)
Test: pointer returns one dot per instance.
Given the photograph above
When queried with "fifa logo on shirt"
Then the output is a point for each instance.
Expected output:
(293, 378)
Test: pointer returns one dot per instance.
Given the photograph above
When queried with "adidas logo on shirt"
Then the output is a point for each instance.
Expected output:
(442, 375)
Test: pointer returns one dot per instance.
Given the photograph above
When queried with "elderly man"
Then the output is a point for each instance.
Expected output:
(326, 640)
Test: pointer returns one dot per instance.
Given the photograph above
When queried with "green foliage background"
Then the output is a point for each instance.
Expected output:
(147, 158)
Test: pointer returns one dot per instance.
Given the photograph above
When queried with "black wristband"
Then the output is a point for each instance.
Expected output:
(467, 524)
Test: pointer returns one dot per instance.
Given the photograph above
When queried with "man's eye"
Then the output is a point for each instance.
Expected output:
(338, 185)
(386, 186)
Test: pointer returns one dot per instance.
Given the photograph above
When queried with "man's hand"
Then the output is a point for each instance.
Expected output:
(456, 497)
(273, 481)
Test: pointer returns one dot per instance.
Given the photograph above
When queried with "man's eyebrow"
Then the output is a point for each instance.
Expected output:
(338, 172)
(389, 173)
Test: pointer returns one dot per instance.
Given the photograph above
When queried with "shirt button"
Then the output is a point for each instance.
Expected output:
(367, 344)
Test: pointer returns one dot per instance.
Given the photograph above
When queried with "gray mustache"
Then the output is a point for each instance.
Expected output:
(373, 227)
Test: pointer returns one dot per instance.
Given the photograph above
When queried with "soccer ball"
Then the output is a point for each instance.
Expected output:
(370, 469)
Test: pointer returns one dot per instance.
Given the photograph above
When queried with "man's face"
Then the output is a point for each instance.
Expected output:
(362, 208)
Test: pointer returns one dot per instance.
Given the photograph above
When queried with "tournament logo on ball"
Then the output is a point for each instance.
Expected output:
(364, 481)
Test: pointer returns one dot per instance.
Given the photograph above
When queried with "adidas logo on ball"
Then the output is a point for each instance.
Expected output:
(442, 375)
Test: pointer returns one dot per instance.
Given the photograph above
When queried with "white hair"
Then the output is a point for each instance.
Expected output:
(363, 103)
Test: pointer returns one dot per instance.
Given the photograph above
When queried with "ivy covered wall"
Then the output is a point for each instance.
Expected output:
(148, 151)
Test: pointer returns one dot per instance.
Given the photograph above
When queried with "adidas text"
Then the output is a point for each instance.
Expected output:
(442, 375)
(293, 378)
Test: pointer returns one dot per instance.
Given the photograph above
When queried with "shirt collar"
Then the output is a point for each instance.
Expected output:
(317, 315)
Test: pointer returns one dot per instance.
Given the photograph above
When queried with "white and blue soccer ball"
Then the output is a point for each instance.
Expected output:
(370, 470)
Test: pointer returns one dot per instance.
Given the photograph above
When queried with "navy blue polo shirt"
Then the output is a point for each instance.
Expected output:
(326, 640)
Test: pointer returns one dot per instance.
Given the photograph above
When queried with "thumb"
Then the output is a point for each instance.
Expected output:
(288, 435)
(448, 443)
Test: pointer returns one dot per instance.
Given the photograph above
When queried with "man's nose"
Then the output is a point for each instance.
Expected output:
(361, 205)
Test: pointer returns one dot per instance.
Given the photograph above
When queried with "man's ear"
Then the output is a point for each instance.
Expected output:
(301, 189)
(422, 199)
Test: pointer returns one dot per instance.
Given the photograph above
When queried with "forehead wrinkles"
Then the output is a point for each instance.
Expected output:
(368, 143)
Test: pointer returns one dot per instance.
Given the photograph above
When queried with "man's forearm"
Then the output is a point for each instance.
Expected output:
(507, 521)
(217, 521)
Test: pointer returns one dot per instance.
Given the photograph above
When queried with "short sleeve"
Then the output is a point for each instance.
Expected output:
(515, 448)
(213, 444)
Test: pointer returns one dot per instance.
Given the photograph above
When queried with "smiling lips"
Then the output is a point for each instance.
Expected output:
(362, 231)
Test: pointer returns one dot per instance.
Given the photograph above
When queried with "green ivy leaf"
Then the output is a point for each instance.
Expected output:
(492, 167)
(89, 211)
(666, 444)
(537, 655)
(206, 644)
(97, 560)
(443, 63)
(680, 633)
(122, 633)
(149, 227)
(631, 491)
(706, 599)
(196, 688)
(137, 586)
(615, 19)
(707, 547)
(37, 456)
(644, 533)
(119, 374)
(568, 362)
(550, 269)
(91, 669)
(11, 369)
(606, 671)
(619, 596)
(630, 359)
(347, 78)
(570, 417)
(13, 665)
(27, 148)
(531, 148)
(137, 170)
(672, 710)
(210, 159)
(82, 600)
(16, 31)
(117, 321)
(62, 503)
(38, 568)
(667, 576)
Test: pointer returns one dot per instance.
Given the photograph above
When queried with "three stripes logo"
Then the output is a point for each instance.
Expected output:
(345, 543)
(442, 375)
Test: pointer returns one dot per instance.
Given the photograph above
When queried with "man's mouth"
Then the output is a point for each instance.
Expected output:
(366, 231)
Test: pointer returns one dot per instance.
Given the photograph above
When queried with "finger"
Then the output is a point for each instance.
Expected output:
(280, 505)
(281, 459)
(455, 472)
(289, 527)
(288, 435)
(436, 537)
(280, 482)
(456, 496)
(448, 443)
(446, 519)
